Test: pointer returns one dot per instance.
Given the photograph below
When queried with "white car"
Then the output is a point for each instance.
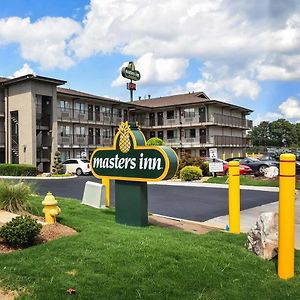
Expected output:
(78, 166)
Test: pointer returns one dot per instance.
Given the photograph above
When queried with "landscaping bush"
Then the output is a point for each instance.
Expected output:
(187, 160)
(155, 142)
(204, 166)
(58, 167)
(190, 173)
(20, 231)
(14, 197)
(17, 170)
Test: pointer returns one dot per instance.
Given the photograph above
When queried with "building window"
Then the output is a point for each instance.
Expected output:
(106, 110)
(65, 130)
(106, 133)
(171, 134)
(80, 131)
(170, 114)
(119, 113)
(80, 107)
(64, 155)
(190, 133)
(189, 112)
(64, 105)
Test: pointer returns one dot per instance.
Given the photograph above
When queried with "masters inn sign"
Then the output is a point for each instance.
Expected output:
(131, 163)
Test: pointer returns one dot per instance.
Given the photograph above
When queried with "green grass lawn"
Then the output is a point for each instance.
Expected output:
(112, 261)
(247, 180)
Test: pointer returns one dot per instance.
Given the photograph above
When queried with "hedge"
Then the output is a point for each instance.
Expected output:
(17, 170)
(190, 173)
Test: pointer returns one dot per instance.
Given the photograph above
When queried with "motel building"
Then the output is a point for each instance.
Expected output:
(38, 117)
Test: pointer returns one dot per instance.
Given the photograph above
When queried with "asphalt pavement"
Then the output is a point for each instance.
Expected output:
(197, 202)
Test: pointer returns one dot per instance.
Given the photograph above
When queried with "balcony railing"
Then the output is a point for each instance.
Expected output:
(231, 121)
(85, 140)
(193, 120)
(230, 141)
(89, 117)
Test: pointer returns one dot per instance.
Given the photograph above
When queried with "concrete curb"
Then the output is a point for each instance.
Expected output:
(36, 178)
(216, 185)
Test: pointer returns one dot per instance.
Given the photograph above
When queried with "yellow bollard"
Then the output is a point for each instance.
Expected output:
(239, 154)
(105, 181)
(224, 156)
(234, 196)
(231, 155)
(252, 154)
(246, 154)
(286, 232)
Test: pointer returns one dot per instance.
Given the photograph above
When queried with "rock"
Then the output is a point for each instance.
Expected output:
(262, 239)
(271, 172)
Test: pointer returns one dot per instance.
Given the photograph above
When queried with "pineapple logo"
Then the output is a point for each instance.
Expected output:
(124, 143)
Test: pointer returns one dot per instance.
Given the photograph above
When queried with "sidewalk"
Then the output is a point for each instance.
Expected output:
(249, 217)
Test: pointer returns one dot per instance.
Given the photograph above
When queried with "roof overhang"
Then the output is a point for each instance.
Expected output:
(35, 78)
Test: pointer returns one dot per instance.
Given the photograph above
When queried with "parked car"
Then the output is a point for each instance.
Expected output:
(257, 165)
(244, 170)
(78, 166)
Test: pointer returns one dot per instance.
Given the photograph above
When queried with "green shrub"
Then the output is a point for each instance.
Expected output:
(20, 231)
(14, 197)
(58, 167)
(188, 160)
(190, 173)
(155, 142)
(17, 170)
(204, 166)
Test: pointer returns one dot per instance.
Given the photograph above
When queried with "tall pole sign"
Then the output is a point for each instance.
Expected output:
(131, 73)
(131, 163)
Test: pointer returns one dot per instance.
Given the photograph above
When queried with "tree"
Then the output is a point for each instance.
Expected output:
(57, 167)
(280, 133)
(260, 134)
(155, 142)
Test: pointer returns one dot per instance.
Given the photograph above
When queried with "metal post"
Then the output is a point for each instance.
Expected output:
(286, 238)
(234, 196)
(106, 182)
(131, 93)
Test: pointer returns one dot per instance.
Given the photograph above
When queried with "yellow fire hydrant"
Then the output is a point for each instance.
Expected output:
(51, 209)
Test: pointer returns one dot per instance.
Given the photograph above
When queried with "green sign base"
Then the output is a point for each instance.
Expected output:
(131, 203)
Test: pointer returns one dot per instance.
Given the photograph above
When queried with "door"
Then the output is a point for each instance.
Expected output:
(91, 136)
(125, 117)
(202, 135)
(152, 134)
(160, 135)
(202, 114)
(202, 153)
(97, 136)
(152, 119)
(90, 112)
(97, 112)
(160, 118)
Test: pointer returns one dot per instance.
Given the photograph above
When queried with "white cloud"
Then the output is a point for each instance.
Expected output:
(239, 43)
(253, 41)
(156, 70)
(26, 69)
(44, 41)
(269, 117)
(290, 108)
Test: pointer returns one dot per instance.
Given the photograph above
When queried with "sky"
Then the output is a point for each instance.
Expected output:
(242, 52)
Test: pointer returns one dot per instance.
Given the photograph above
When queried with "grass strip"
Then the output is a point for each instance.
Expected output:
(112, 261)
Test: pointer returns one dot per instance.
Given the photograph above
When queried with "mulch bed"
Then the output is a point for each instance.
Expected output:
(48, 232)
